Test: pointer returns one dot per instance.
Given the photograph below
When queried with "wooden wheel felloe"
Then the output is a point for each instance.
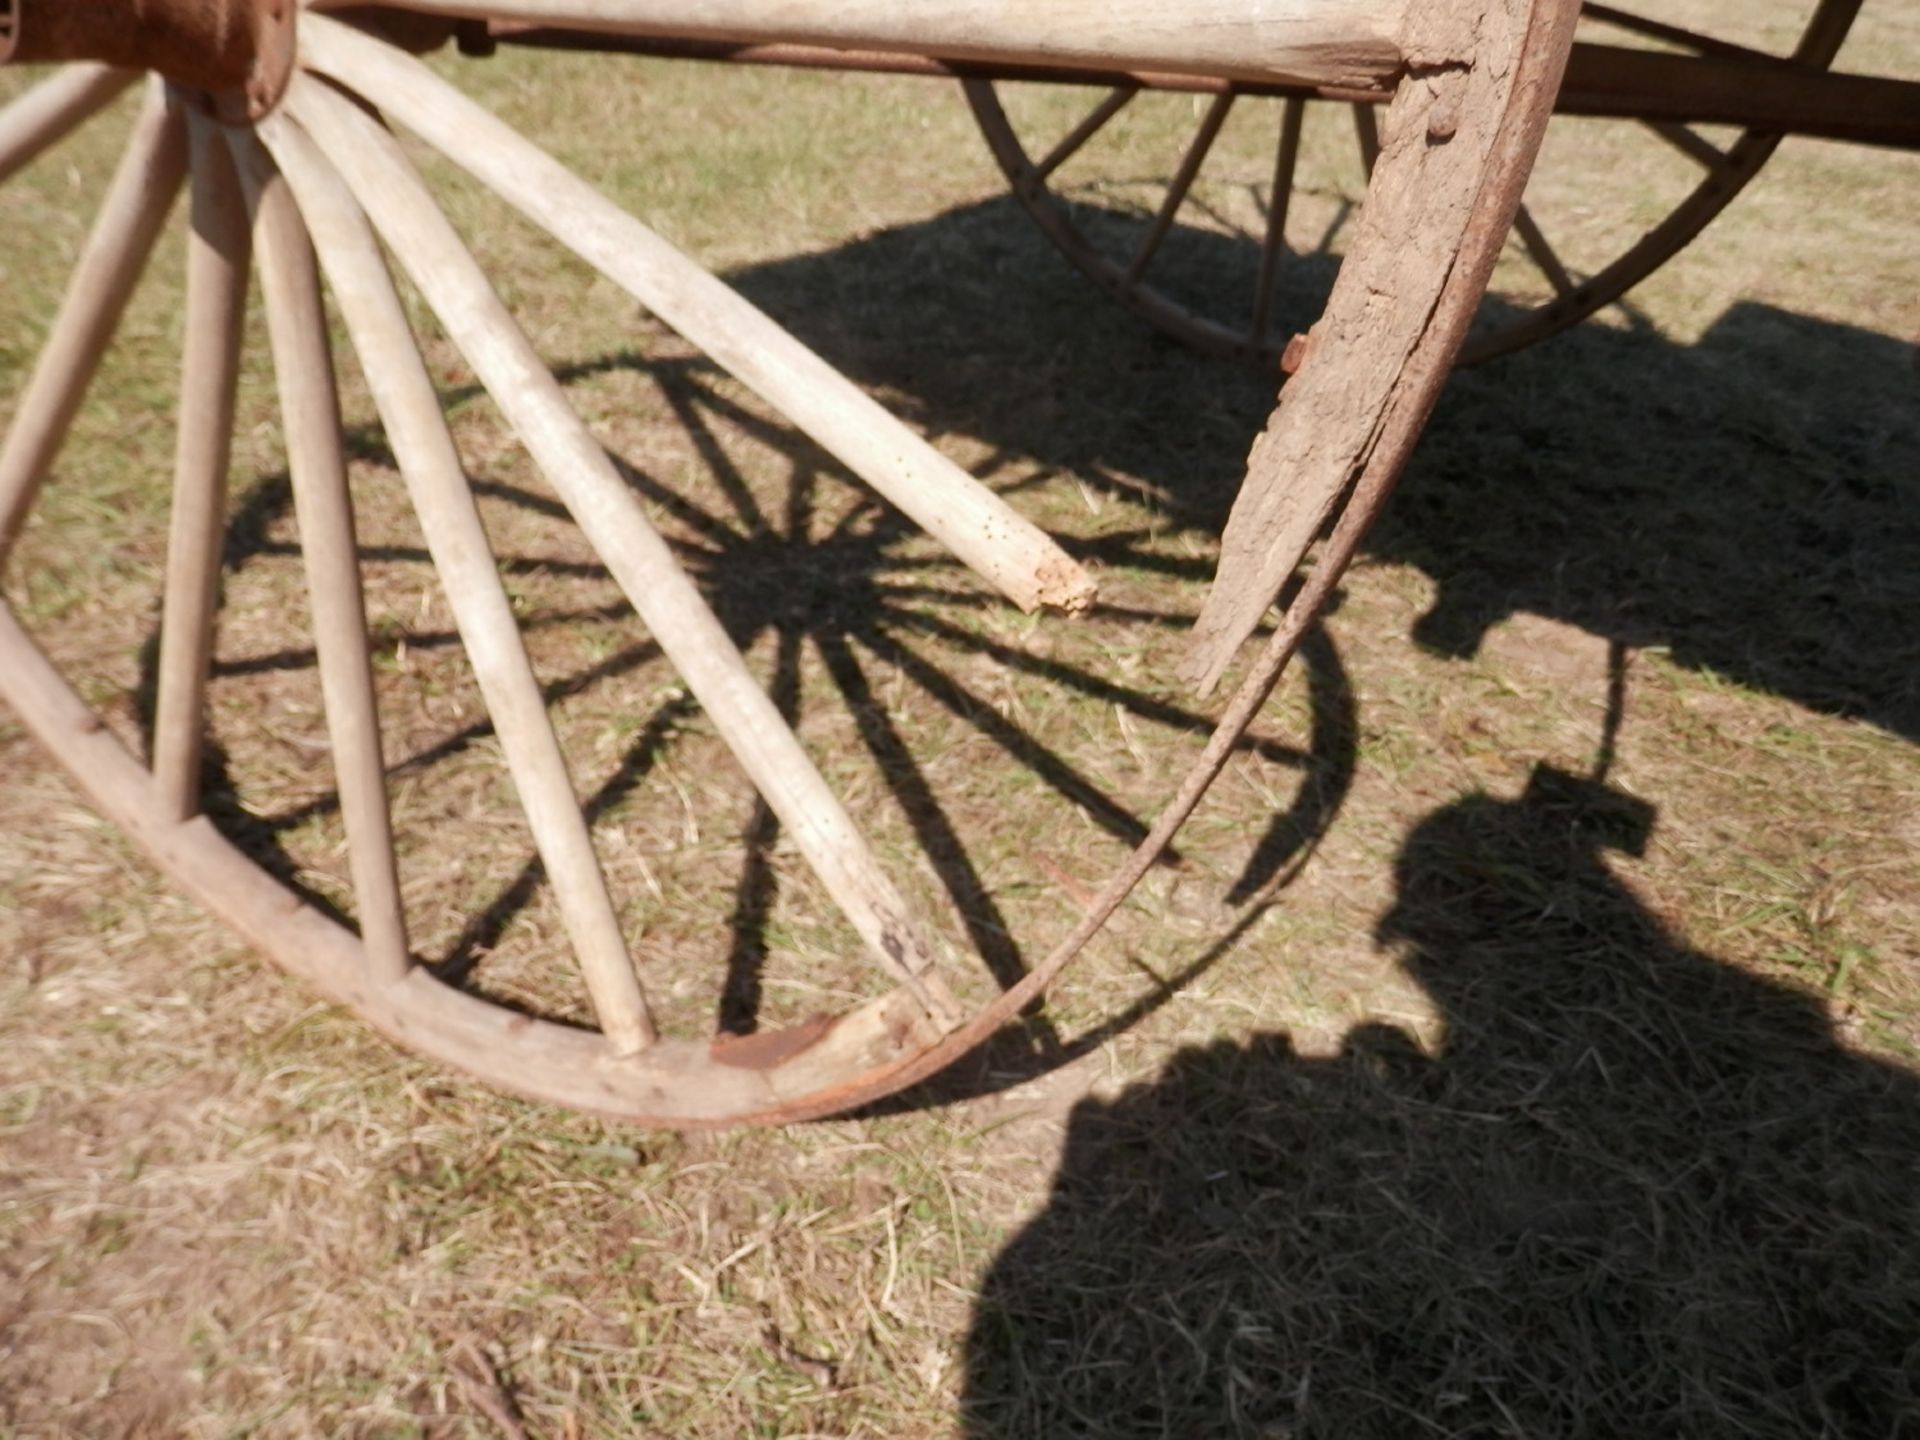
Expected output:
(305, 190)
(1087, 166)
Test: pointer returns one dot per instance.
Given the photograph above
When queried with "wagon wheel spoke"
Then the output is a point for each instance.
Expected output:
(136, 205)
(50, 111)
(323, 508)
(1286, 161)
(1542, 252)
(1071, 143)
(218, 257)
(998, 543)
(385, 185)
(1366, 128)
(463, 558)
(1182, 182)
(1690, 143)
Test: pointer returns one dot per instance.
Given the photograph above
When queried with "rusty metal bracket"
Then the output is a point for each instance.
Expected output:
(239, 52)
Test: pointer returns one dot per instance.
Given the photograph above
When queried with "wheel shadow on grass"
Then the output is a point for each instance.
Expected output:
(841, 604)
(1631, 1191)
(1736, 501)
(1749, 502)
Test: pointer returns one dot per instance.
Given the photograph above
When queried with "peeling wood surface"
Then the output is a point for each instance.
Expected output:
(1355, 43)
(1439, 139)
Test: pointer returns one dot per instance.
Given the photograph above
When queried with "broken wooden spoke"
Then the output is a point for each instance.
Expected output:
(610, 516)
(983, 531)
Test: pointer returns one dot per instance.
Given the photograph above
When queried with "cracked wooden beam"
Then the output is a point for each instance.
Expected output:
(1441, 200)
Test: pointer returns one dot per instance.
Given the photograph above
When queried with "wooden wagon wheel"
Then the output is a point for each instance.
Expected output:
(293, 175)
(1114, 225)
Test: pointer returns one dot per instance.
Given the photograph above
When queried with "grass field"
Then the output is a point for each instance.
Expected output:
(1526, 1040)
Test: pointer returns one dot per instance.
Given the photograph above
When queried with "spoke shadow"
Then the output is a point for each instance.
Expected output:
(1632, 1191)
(856, 595)
(1749, 502)
(1737, 502)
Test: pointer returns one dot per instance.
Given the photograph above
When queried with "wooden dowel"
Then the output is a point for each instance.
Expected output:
(218, 255)
(323, 509)
(457, 540)
(1333, 42)
(1286, 159)
(130, 218)
(611, 517)
(1076, 139)
(1189, 171)
(991, 537)
(53, 108)
(1545, 258)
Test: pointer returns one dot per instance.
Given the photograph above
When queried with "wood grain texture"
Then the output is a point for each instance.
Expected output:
(611, 518)
(1438, 142)
(323, 511)
(469, 574)
(219, 255)
(1348, 43)
(982, 530)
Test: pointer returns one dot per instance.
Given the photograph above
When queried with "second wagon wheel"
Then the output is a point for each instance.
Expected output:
(1216, 213)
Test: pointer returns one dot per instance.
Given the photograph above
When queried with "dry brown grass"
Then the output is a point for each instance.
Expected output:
(1426, 1094)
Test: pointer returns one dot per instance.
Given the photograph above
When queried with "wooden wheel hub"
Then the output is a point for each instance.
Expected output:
(240, 51)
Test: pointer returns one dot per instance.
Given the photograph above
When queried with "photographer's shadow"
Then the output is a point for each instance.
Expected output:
(1633, 1192)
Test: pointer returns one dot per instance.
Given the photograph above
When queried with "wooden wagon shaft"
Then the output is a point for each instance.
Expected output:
(234, 45)
(1601, 81)
(1356, 43)
(1718, 89)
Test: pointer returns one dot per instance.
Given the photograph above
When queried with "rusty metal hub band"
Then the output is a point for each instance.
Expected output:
(240, 51)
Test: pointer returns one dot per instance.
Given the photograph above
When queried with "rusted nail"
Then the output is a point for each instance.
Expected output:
(1296, 353)
(767, 1049)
